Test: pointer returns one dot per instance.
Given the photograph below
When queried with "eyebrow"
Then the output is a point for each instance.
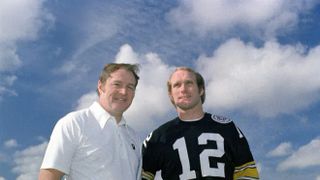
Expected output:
(121, 82)
(183, 81)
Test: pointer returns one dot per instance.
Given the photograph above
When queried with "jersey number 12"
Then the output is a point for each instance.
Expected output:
(206, 170)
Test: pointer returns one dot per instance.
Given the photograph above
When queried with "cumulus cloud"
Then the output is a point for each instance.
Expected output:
(24, 25)
(281, 150)
(27, 162)
(306, 156)
(151, 99)
(266, 16)
(127, 55)
(266, 81)
(21, 26)
(11, 143)
(2, 178)
(86, 100)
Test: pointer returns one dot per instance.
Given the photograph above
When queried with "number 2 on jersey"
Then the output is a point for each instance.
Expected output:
(206, 170)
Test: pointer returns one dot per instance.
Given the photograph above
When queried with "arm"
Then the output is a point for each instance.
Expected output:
(50, 174)
(148, 159)
(147, 175)
(60, 150)
(245, 164)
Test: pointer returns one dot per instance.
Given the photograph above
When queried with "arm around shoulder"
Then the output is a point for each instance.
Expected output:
(50, 174)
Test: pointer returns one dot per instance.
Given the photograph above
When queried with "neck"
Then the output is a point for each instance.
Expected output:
(118, 118)
(190, 113)
(116, 115)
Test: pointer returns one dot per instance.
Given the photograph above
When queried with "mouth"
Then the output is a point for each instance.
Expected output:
(184, 97)
(121, 99)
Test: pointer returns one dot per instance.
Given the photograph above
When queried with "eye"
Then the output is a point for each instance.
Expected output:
(132, 87)
(189, 82)
(116, 84)
(176, 85)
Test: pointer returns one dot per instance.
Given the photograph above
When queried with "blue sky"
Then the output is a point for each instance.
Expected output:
(260, 59)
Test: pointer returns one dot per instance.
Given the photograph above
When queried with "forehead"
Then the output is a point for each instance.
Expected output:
(181, 75)
(122, 75)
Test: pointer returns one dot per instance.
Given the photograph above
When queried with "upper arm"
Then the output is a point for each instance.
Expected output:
(50, 174)
(61, 147)
(150, 157)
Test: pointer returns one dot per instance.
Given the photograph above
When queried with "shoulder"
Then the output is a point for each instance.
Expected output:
(221, 119)
(169, 124)
(160, 132)
(228, 125)
(74, 119)
(165, 128)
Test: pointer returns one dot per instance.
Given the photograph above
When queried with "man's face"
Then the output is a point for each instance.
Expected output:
(184, 90)
(117, 93)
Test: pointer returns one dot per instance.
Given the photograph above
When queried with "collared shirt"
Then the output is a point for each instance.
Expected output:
(90, 145)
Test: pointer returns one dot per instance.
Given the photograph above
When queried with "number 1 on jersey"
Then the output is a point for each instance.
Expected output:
(180, 144)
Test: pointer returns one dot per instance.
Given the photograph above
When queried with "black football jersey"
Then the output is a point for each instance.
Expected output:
(210, 148)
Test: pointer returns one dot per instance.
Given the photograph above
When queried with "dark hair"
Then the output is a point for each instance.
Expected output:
(112, 67)
(199, 80)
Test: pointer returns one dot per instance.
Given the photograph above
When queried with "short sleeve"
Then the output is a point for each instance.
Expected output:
(62, 145)
(241, 149)
(150, 157)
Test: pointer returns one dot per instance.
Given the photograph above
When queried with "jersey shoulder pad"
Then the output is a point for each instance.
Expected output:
(221, 119)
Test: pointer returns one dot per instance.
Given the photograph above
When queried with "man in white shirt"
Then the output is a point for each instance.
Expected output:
(96, 143)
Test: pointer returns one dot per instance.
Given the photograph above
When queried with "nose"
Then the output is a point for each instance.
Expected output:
(123, 90)
(183, 87)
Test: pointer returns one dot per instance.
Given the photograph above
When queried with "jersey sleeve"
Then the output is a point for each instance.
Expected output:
(245, 167)
(150, 157)
(61, 146)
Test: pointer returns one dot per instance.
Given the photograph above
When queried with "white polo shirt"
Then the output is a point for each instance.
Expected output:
(90, 145)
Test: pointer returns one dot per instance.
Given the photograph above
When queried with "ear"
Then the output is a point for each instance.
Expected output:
(201, 91)
(171, 98)
(100, 87)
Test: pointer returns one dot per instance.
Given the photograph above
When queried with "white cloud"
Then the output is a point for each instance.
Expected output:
(21, 26)
(318, 177)
(86, 100)
(281, 150)
(11, 143)
(2, 178)
(267, 16)
(267, 81)
(126, 55)
(24, 25)
(306, 156)
(27, 162)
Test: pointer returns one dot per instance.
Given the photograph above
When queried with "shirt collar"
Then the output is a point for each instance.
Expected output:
(102, 116)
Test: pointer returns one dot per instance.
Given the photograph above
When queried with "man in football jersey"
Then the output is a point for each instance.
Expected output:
(96, 142)
(196, 144)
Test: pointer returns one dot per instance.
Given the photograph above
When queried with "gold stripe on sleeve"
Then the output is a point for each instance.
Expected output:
(246, 171)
